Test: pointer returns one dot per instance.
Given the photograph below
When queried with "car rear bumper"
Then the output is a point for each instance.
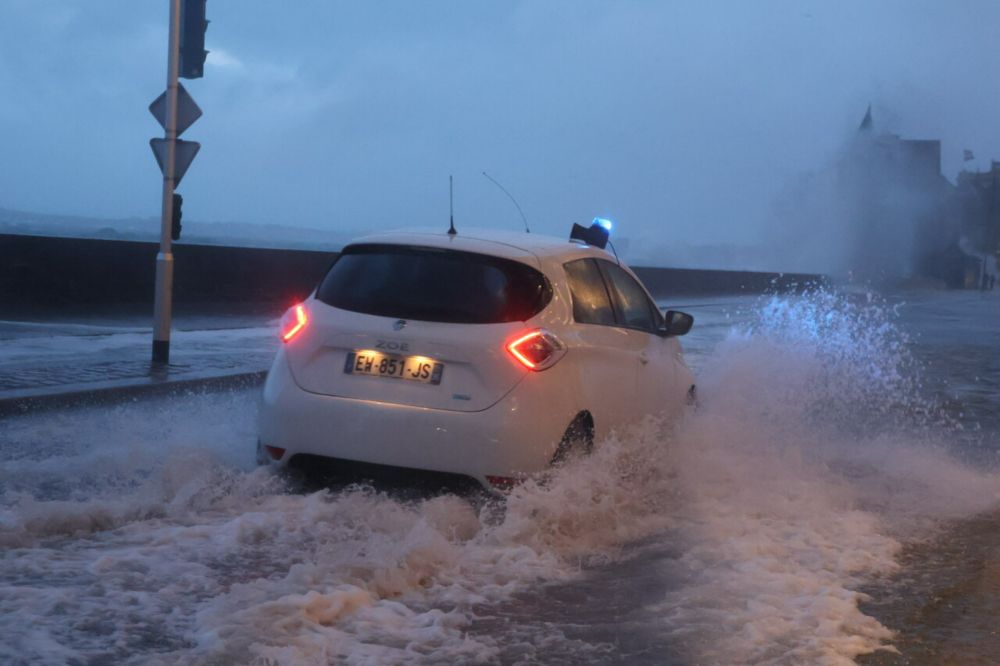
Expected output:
(516, 436)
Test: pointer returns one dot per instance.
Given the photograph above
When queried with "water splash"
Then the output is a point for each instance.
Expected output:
(813, 457)
(827, 356)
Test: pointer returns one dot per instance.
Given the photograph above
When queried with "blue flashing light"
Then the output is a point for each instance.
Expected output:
(596, 234)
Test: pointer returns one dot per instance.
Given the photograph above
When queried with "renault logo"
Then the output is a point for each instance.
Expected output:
(399, 325)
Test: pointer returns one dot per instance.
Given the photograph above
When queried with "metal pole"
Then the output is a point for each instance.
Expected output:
(163, 297)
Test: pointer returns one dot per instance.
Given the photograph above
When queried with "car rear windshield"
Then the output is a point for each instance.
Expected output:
(432, 284)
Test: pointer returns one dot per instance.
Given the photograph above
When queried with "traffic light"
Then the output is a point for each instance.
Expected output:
(175, 229)
(193, 26)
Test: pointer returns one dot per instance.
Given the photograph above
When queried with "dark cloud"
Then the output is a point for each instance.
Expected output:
(681, 120)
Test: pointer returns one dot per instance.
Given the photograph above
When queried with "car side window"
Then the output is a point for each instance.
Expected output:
(591, 301)
(632, 305)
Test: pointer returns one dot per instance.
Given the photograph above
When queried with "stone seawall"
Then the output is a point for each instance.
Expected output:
(44, 271)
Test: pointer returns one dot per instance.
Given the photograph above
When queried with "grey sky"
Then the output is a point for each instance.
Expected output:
(679, 120)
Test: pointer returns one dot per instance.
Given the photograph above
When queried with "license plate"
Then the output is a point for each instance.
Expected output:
(376, 364)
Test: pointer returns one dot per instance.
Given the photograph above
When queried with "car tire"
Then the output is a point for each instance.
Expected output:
(578, 440)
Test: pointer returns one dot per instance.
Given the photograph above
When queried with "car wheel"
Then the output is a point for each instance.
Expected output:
(578, 440)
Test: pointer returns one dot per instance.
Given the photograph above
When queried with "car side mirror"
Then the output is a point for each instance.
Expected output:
(676, 323)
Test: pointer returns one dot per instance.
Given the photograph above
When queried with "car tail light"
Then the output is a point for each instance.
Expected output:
(536, 350)
(275, 452)
(502, 483)
(293, 322)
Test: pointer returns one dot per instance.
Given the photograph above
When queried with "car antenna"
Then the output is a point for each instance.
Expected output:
(451, 207)
(511, 196)
(615, 252)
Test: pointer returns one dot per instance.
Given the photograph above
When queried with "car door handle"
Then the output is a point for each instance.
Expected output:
(643, 358)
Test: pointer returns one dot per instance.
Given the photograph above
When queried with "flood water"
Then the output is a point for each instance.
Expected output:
(834, 497)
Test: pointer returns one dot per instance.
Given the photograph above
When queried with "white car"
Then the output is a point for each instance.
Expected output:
(487, 355)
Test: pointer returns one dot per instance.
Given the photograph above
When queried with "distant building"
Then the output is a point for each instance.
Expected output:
(881, 211)
(899, 201)
(932, 228)
(955, 267)
(970, 259)
(978, 195)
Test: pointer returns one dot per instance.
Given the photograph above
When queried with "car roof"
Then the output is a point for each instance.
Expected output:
(508, 244)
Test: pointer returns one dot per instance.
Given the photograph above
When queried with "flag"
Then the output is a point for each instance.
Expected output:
(967, 155)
